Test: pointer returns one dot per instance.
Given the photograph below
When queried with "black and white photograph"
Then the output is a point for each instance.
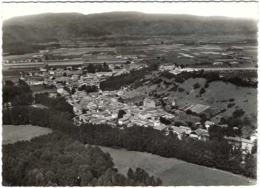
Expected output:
(124, 93)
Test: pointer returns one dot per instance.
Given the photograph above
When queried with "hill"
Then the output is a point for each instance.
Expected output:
(56, 26)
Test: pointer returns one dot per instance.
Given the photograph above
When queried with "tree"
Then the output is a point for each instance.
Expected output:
(254, 149)
(206, 85)
(91, 68)
(164, 121)
(121, 113)
(238, 113)
(188, 112)
(196, 86)
(9, 83)
(202, 90)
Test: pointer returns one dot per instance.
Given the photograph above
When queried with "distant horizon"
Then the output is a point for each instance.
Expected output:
(229, 10)
(240, 18)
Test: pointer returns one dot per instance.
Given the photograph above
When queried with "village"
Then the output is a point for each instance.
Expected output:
(95, 106)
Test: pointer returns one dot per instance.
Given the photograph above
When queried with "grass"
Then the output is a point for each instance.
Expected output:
(12, 133)
(173, 172)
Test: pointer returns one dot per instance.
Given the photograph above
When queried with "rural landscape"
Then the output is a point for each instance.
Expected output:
(126, 98)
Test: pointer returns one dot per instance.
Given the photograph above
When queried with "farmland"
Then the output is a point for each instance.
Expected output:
(173, 172)
(12, 133)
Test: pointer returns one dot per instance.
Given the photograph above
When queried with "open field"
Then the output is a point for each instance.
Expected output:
(12, 78)
(12, 133)
(173, 172)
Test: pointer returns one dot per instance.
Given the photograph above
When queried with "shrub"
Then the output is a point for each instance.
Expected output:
(238, 113)
(230, 105)
(180, 89)
(202, 90)
(231, 100)
(196, 86)
(188, 111)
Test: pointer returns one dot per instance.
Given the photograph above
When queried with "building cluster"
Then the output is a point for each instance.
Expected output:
(174, 69)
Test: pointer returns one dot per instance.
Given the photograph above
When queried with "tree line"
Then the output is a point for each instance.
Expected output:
(58, 160)
(116, 82)
(91, 68)
(210, 77)
(213, 153)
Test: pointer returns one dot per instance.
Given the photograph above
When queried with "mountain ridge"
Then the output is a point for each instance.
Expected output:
(43, 27)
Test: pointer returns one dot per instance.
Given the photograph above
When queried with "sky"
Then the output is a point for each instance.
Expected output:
(231, 9)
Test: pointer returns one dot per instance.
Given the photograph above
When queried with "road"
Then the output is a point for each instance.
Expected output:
(227, 69)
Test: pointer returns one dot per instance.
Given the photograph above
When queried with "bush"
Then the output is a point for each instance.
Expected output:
(180, 89)
(202, 90)
(189, 112)
(230, 105)
(196, 86)
(231, 100)
(238, 113)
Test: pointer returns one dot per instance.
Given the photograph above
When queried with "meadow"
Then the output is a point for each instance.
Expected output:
(12, 133)
(171, 171)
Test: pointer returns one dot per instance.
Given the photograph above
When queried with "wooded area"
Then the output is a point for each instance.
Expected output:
(58, 160)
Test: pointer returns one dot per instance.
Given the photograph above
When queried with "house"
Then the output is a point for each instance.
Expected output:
(186, 129)
(253, 137)
(218, 63)
(234, 63)
(149, 102)
(85, 118)
(200, 134)
(97, 121)
(51, 72)
(160, 127)
(77, 109)
(178, 131)
(144, 115)
(245, 144)
(63, 92)
(223, 126)
(123, 121)
(208, 124)
(176, 71)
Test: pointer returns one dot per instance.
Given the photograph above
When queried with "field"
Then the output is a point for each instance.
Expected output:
(12, 78)
(12, 134)
(173, 172)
